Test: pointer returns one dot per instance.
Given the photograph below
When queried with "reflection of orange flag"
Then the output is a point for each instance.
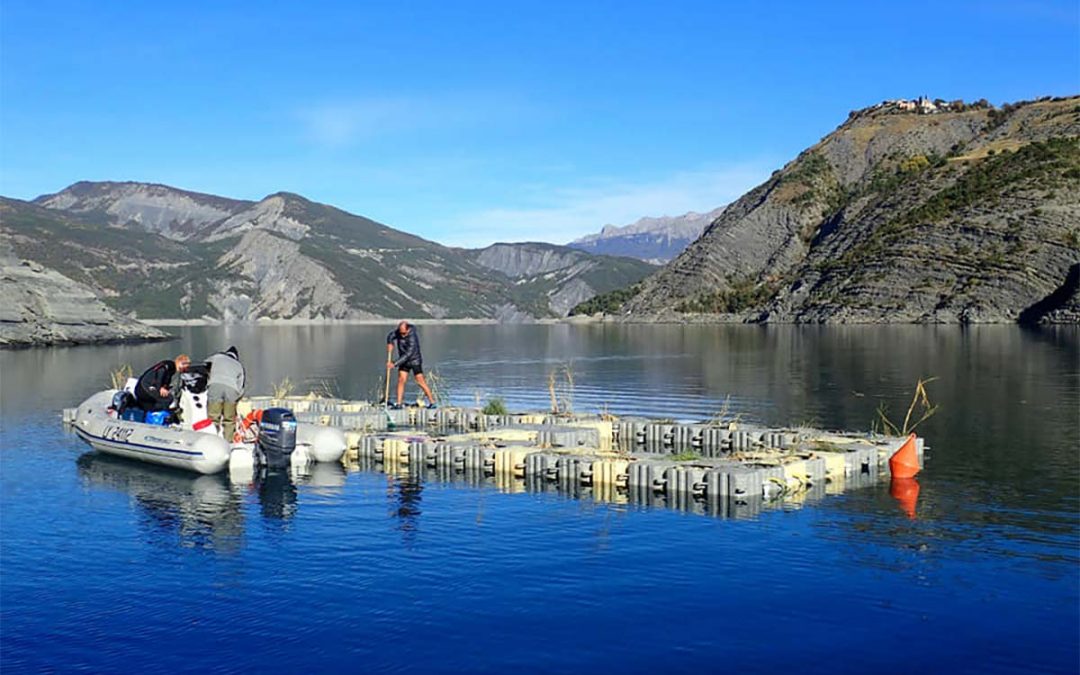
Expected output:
(905, 462)
(906, 493)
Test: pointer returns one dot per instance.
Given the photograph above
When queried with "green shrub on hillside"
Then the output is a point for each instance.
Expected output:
(991, 176)
(912, 164)
(744, 294)
(808, 171)
(607, 303)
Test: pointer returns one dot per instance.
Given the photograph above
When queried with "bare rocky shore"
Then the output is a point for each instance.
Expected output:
(41, 307)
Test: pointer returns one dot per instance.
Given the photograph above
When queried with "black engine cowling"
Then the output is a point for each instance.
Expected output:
(277, 436)
(196, 378)
(121, 401)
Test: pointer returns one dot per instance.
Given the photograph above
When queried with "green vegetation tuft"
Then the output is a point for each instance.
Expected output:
(685, 457)
(495, 406)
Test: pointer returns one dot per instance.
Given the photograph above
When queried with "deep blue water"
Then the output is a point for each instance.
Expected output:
(112, 566)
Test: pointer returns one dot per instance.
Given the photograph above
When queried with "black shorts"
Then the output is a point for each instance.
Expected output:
(416, 368)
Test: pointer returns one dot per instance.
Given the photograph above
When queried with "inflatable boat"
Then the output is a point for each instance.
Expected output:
(196, 445)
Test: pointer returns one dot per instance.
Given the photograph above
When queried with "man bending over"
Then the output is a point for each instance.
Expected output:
(154, 390)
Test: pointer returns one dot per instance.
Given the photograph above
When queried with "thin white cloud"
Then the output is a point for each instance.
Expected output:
(336, 124)
(342, 123)
(571, 213)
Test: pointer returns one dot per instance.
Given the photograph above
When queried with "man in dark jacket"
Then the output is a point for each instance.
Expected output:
(409, 360)
(154, 389)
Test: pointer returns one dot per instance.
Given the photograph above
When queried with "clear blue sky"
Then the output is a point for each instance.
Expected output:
(473, 122)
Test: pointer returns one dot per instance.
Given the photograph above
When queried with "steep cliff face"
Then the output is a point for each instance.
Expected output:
(894, 217)
(527, 260)
(266, 275)
(549, 280)
(39, 306)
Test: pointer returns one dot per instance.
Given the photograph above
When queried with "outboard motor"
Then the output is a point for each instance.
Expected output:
(277, 436)
(124, 406)
(121, 401)
(196, 378)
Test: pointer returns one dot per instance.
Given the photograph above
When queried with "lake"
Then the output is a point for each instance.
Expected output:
(113, 566)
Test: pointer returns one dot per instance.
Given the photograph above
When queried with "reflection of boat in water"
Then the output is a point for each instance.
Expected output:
(277, 495)
(201, 510)
(206, 510)
(321, 477)
(277, 488)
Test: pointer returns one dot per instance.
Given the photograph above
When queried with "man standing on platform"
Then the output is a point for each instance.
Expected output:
(409, 360)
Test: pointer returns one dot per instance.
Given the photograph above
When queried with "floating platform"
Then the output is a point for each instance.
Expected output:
(709, 467)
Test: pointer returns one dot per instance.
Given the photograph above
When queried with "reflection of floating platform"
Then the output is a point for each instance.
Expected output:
(724, 469)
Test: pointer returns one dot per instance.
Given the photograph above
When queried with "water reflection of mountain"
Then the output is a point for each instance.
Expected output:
(205, 511)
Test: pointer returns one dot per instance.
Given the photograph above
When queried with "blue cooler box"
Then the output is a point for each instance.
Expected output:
(133, 415)
(158, 417)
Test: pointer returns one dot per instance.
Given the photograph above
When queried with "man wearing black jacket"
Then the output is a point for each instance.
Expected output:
(154, 389)
(409, 360)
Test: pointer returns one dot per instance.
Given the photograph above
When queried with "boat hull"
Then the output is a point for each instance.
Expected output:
(178, 448)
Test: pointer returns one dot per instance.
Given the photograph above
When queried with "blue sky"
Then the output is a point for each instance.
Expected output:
(471, 122)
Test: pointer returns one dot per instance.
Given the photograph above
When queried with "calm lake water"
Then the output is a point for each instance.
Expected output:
(112, 566)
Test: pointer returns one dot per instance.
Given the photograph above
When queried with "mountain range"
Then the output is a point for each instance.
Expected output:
(655, 240)
(936, 213)
(154, 251)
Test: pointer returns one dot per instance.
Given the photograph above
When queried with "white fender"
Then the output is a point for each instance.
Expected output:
(242, 464)
(327, 443)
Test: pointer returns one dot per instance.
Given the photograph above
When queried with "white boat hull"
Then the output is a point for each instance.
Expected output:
(168, 446)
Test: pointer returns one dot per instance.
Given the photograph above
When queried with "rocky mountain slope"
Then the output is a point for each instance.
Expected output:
(39, 306)
(554, 279)
(966, 215)
(655, 240)
(158, 252)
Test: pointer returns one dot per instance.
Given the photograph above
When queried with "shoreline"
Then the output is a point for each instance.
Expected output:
(692, 320)
(313, 322)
